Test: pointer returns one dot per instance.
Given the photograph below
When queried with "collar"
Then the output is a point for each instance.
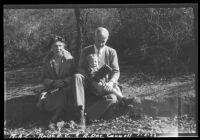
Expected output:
(99, 51)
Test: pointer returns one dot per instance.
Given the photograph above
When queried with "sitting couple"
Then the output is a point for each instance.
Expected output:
(67, 89)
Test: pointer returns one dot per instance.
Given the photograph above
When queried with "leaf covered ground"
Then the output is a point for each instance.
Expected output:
(119, 125)
(22, 82)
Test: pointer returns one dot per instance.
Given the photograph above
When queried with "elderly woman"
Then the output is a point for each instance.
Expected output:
(58, 71)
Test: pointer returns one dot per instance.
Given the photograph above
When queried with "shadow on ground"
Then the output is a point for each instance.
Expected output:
(21, 110)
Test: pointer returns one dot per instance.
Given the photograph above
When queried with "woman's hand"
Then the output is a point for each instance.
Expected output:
(97, 87)
(67, 80)
(108, 86)
(58, 83)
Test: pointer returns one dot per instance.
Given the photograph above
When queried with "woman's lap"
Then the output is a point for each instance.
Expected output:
(61, 99)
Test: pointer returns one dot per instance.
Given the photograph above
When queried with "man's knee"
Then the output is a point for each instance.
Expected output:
(112, 98)
(79, 76)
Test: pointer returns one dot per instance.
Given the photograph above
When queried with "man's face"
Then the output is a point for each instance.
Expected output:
(100, 40)
(58, 47)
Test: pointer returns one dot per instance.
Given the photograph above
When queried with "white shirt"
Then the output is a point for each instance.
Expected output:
(100, 51)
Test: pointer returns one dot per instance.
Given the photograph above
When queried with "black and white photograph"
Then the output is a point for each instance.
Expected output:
(100, 70)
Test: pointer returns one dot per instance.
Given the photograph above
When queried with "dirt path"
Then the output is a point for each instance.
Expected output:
(22, 81)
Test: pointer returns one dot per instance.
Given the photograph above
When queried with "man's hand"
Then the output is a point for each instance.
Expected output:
(108, 86)
(58, 83)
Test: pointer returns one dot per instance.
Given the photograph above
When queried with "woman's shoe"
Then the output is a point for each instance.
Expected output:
(52, 125)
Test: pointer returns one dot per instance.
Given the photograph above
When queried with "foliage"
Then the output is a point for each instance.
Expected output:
(160, 38)
(27, 32)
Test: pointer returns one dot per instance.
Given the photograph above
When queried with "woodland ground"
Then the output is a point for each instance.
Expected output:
(173, 98)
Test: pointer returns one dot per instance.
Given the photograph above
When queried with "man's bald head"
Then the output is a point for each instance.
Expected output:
(101, 37)
(103, 32)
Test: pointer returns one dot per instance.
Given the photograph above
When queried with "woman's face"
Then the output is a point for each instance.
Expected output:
(58, 47)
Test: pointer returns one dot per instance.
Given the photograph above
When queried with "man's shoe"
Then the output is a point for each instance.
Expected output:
(81, 120)
(88, 121)
(129, 101)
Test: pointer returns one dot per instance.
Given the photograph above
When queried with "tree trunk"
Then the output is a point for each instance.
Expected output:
(120, 12)
(84, 27)
(79, 22)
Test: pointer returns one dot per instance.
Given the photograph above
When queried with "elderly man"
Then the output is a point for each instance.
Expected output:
(95, 106)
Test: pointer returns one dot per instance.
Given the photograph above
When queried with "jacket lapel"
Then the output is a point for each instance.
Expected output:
(61, 65)
(53, 71)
